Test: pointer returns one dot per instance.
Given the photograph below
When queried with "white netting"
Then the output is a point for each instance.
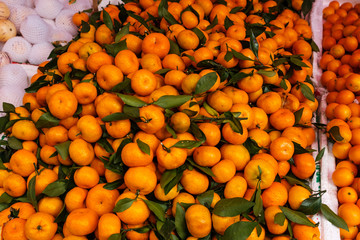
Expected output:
(79, 5)
(29, 3)
(40, 53)
(51, 23)
(14, 2)
(13, 75)
(61, 36)
(64, 21)
(11, 95)
(18, 49)
(35, 29)
(48, 8)
(19, 13)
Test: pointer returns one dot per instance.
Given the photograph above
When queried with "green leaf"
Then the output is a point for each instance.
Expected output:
(63, 149)
(209, 64)
(132, 112)
(306, 91)
(8, 107)
(296, 217)
(3, 121)
(205, 83)
(189, 56)
(85, 27)
(200, 35)
(106, 145)
(228, 23)
(320, 155)
(180, 223)
(123, 86)
(236, 9)
(113, 49)
(298, 114)
(115, 117)
(115, 236)
(124, 30)
(132, 100)
(205, 170)
(188, 144)
(143, 229)
(283, 84)
(335, 134)
(170, 178)
(3, 206)
(140, 19)
(174, 48)
(298, 149)
(240, 56)
(206, 198)
(228, 56)
(239, 230)
(114, 185)
(231, 207)
(234, 122)
(107, 20)
(258, 207)
(143, 146)
(56, 188)
(212, 24)
(47, 121)
(238, 76)
(295, 181)
(156, 209)
(9, 124)
(266, 73)
(68, 81)
(196, 131)
(279, 219)
(31, 192)
(252, 146)
(280, 61)
(254, 45)
(164, 13)
(170, 130)
(167, 227)
(163, 71)
(14, 143)
(297, 61)
(123, 204)
(333, 218)
(310, 206)
(306, 7)
(210, 110)
(171, 101)
(5, 198)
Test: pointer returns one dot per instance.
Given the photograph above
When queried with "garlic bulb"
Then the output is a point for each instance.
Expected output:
(4, 59)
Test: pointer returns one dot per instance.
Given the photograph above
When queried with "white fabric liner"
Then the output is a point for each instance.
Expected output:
(328, 164)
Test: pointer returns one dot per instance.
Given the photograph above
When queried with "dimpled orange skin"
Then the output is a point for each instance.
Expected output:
(198, 220)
